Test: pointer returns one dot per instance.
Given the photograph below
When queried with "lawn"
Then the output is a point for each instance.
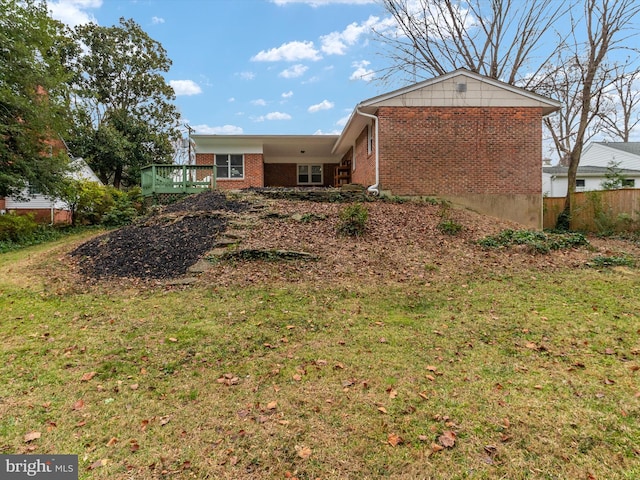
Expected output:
(515, 375)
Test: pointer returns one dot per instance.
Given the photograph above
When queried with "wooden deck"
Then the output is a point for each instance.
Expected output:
(171, 179)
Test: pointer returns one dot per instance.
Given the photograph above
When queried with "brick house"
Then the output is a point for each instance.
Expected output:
(463, 137)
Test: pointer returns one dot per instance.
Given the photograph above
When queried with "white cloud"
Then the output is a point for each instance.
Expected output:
(157, 20)
(362, 72)
(332, 132)
(324, 105)
(336, 43)
(259, 102)
(343, 121)
(223, 130)
(74, 12)
(185, 87)
(294, 72)
(322, 3)
(289, 52)
(288, 94)
(231, 99)
(247, 75)
(273, 116)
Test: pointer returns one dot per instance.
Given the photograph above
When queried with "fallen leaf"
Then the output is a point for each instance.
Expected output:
(394, 440)
(392, 393)
(447, 439)
(79, 405)
(164, 420)
(297, 377)
(532, 346)
(431, 368)
(88, 376)
(112, 442)
(31, 436)
(97, 464)
(423, 395)
(608, 381)
(272, 405)
(303, 452)
(382, 410)
(133, 386)
(173, 339)
(436, 448)
(134, 447)
(423, 438)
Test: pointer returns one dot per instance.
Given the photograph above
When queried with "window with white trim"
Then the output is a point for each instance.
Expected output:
(628, 183)
(369, 139)
(310, 174)
(580, 184)
(229, 166)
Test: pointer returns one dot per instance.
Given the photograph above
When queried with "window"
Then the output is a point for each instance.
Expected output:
(369, 139)
(628, 183)
(229, 166)
(34, 189)
(310, 174)
(580, 184)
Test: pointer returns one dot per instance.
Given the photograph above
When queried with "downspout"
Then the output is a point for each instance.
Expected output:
(373, 189)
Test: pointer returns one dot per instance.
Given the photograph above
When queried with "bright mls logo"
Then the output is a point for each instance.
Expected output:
(45, 467)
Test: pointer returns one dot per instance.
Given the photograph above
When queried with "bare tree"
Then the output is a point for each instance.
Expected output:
(607, 25)
(620, 114)
(501, 39)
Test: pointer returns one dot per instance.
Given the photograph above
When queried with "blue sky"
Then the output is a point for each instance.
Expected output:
(257, 66)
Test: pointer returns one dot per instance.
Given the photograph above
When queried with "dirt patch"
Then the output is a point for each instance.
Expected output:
(402, 243)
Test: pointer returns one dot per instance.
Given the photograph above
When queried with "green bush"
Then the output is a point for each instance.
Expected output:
(17, 228)
(450, 227)
(536, 241)
(353, 221)
(609, 261)
(125, 208)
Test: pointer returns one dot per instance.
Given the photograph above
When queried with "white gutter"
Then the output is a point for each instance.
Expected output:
(373, 188)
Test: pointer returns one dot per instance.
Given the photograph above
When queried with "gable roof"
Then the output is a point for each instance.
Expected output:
(460, 88)
(627, 147)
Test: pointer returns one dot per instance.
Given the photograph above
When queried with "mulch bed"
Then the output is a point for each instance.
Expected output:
(163, 246)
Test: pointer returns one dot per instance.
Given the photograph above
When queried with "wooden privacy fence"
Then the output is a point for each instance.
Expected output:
(591, 211)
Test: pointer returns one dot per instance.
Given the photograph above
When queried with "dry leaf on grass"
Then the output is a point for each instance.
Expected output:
(31, 436)
(303, 452)
(394, 440)
(88, 376)
(447, 439)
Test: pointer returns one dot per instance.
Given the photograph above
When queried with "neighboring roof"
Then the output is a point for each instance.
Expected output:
(458, 88)
(588, 171)
(628, 147)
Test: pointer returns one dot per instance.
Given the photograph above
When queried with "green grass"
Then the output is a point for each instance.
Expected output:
(537, 376)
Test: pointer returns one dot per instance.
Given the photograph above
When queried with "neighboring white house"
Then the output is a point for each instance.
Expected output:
(598, 158)
(603, 154)
(47, 209)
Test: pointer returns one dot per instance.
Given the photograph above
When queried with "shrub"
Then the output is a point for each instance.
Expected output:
(17, 228)
(608, 261)
(450, 227)
(536, 241)
(353, 221)
(125, 208)
(446, 224)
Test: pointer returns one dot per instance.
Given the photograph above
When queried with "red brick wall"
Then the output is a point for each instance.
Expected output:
(253, 171)
(365, 162)
(43, 215)
(454, 151)
(280, 175)
(2, 203)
